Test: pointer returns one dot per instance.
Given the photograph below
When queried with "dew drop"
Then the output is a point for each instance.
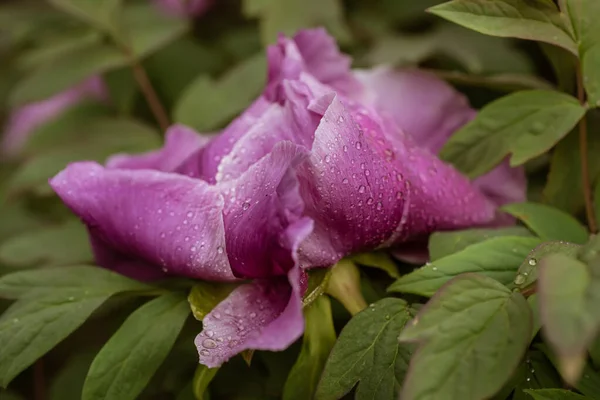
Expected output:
(252, 315)
(532, 262)
(245, 206)
(327, 158)
(370, 201)
(345, 148)
(204, 352)
(217, 315)
(345, 180)
(340, 119)
(361, 189)
(220, 250)
(520, 279)
(209, 333)
(209, 343)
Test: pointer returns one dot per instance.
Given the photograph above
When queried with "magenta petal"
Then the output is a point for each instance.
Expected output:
(180, 143)
(263, 315)
(503, 184)
(263, 214)
(169, 221)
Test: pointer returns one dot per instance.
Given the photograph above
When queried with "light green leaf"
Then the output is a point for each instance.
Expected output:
(528, 270)
(569, 292)
(526, 124)
(548, 223)
(368, 353)
(473, 320)
(533, 20)
(64, 244)
(555, 394)
(207, 104)
(583, 15)
(77, 281)
(533, 301)
(289, 16)
(318, 279)
(442, 244)
(202, 378)
(128, 360)
(379, 260)
(319, 338)
(102, 14)
(497, 258)
(204, 296)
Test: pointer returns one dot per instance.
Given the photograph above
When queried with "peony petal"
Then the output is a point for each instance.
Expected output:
(180, 143)
(263, 315)
(263, 214)
(165, 220)
(430, 111)
(23, 121)
(312, 51)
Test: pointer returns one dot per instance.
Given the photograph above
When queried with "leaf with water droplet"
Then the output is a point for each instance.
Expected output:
(569, 294)
(319, 338)
(498, 258)
(442, 244)
(132, 355)
(380, 260)
(204, 296)
(504, 127)
(549, 223)
(528, 270)
(472, 320)
(353, 359)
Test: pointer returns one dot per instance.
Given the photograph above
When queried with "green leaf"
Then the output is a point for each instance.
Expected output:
(207, 104)
(497, 258)
(319, 338)
(534, 302)
(102, 14)
(78, 281)
(565, 169)
(473, 320)
(204, 296)
(548, 223)
(532, 20)
(582, 14)
(525, 124)
(65, 244)
(368, 353)
(68, 382)
(506, 82)
(555, 394)
(102, 138)
(536, 372)
(442, 244)
(528, 270)
(564, 65)
(127, 362)
(202, 378)
(289, 16)
(379, 260)
(35, 324)
(318, 279)
(569, 292)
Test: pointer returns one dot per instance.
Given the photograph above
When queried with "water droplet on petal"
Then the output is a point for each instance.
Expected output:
(361, 189)
(220, 250)
(358, 145)
(204, 352)
(345, 180)
(209, 343)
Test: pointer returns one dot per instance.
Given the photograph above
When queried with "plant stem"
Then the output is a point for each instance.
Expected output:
(583, 150)
(39, 380)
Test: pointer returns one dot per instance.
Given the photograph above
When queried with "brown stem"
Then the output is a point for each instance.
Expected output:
(583, 150)
(141, 77)
(39, 381)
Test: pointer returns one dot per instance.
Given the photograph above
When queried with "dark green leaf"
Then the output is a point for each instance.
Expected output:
(498, 258)
(472, 320)
(129, 359)
(368, 353)
(442, 244)
(569, 292)
(555, 394)
(525, 124)
(202, 379)
(536, 373)
(289, 16)
(204, 296)
(582, 14)
(548, 223)
(68, 382)
(565, 169)
(319, 338)
(533, 19)
(79, 281)
(379, 260)
(65, 244)
(564, 65)
(528, 270)
(207, 104)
